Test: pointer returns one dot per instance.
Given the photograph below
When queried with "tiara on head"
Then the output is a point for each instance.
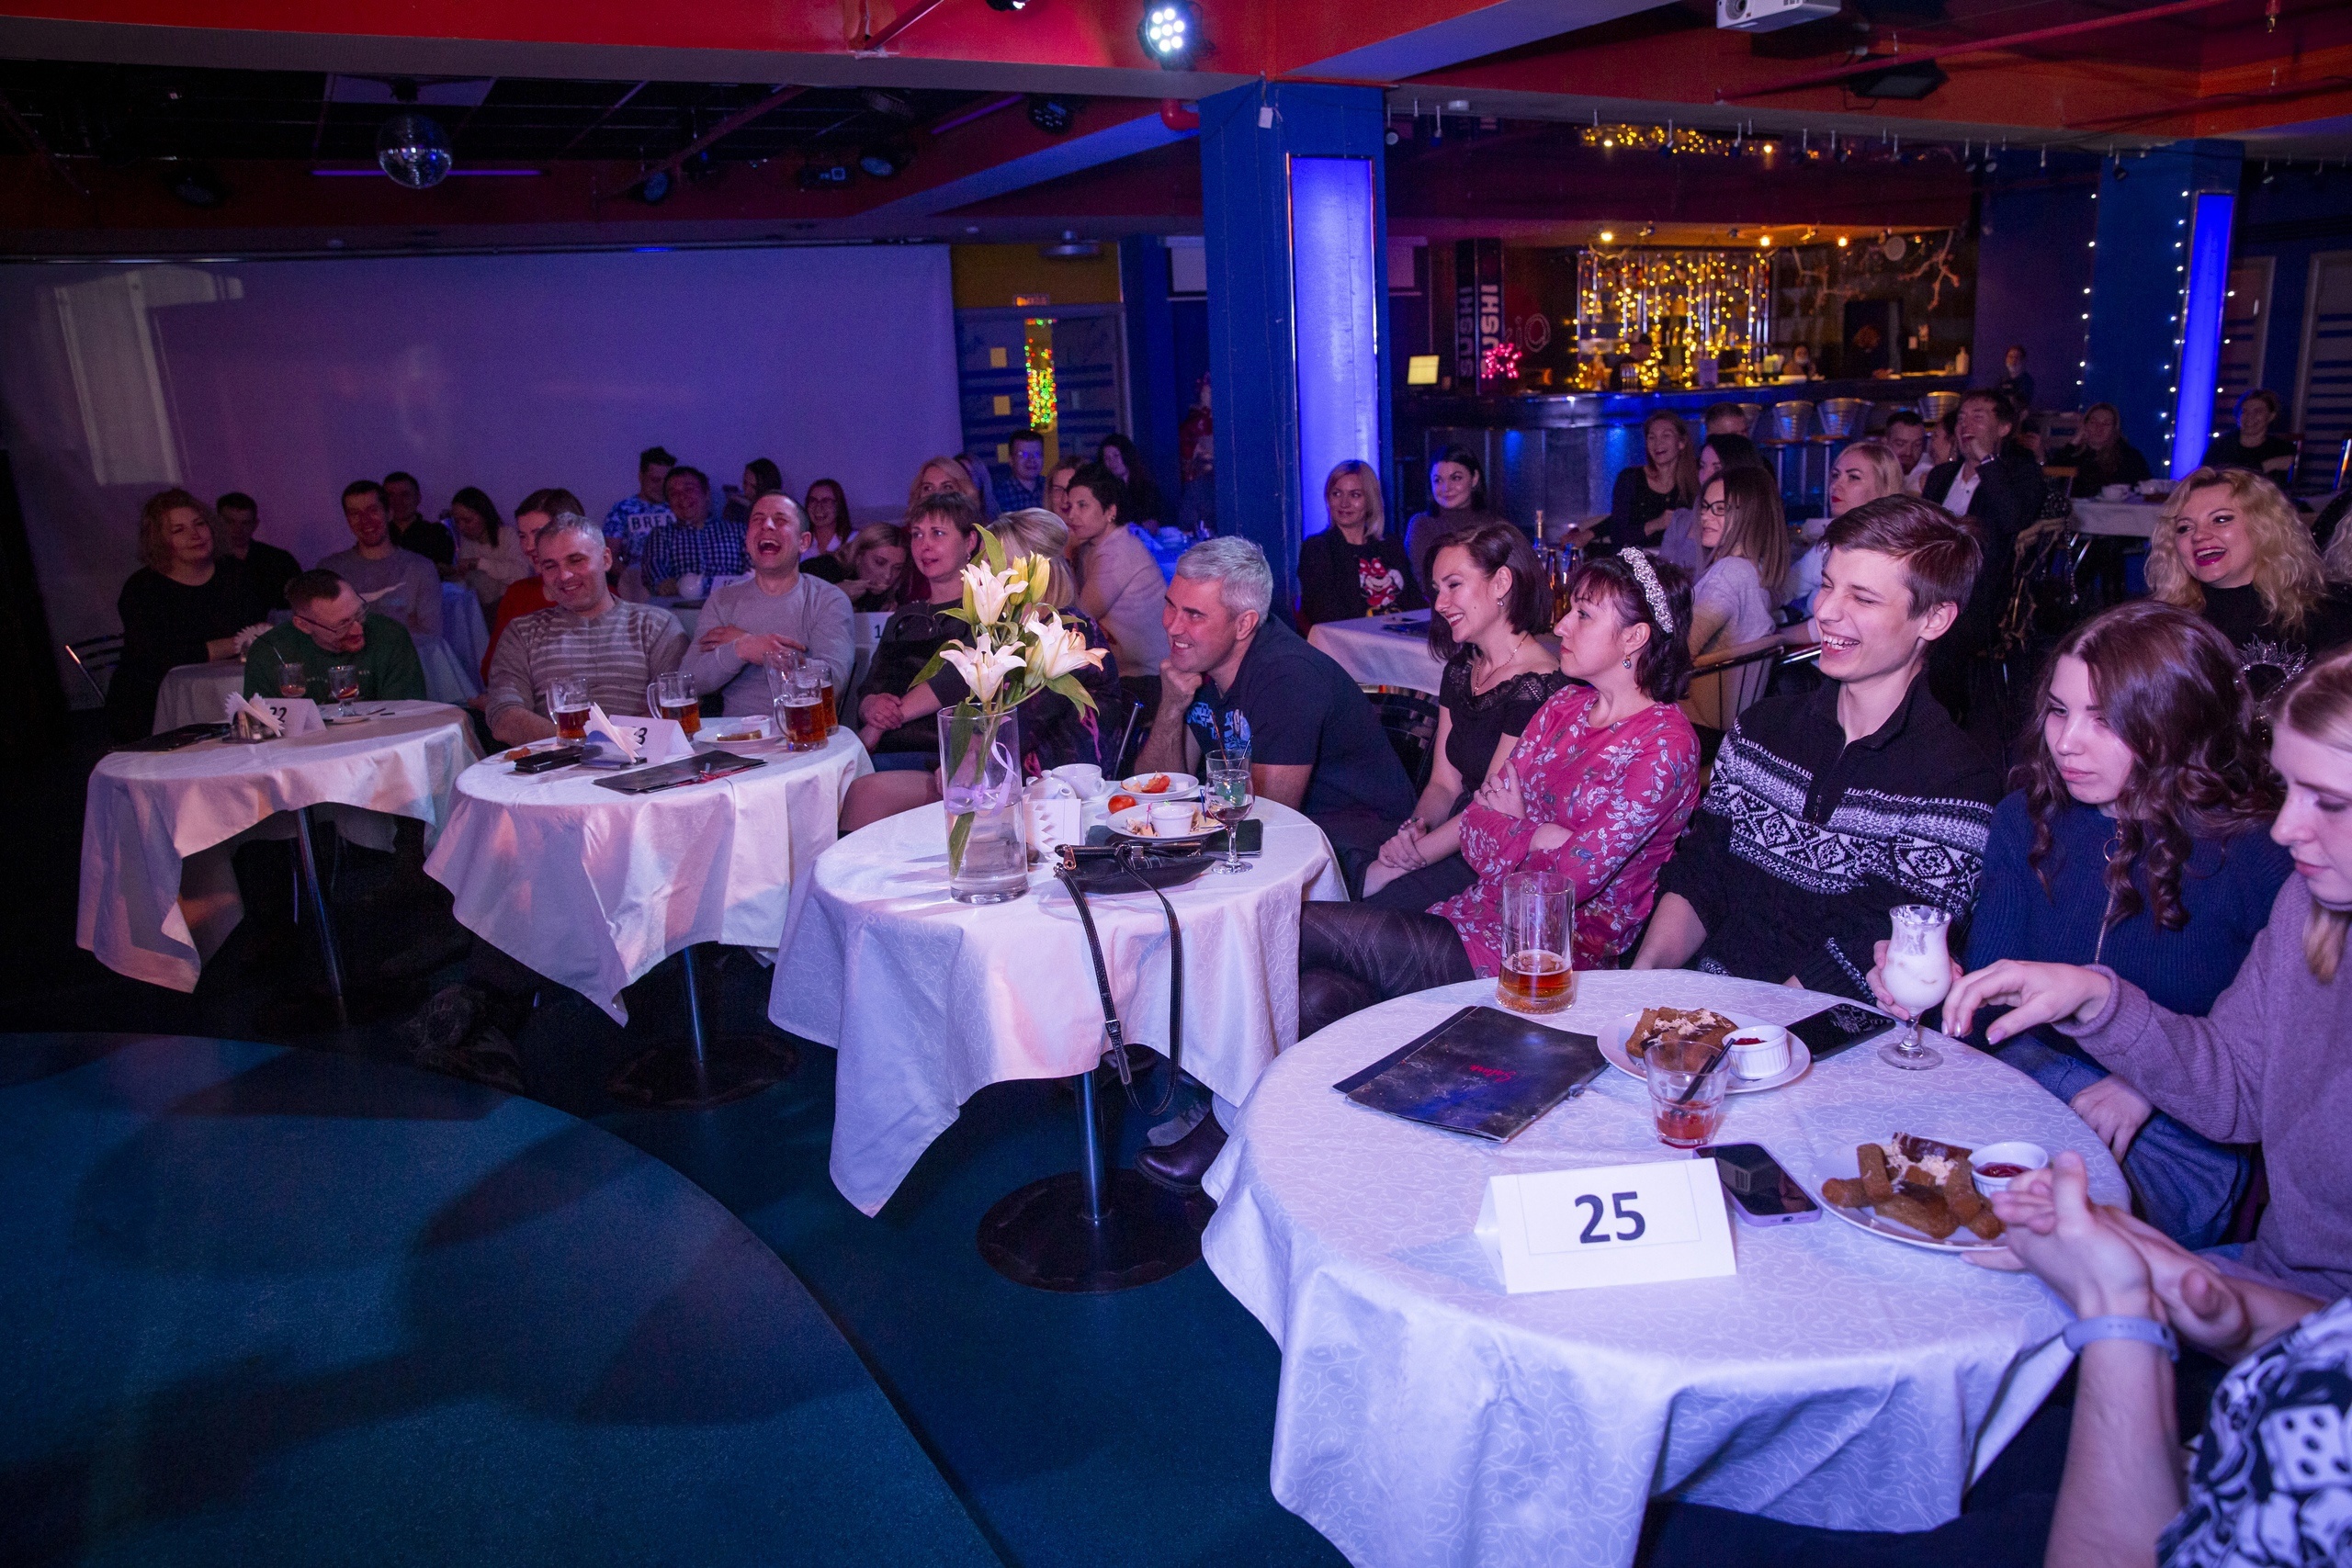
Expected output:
(1652, 588)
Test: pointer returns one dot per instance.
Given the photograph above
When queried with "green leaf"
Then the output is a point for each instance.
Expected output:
(1069, 686)
(959, 833)
(935, 665)
(993, 549)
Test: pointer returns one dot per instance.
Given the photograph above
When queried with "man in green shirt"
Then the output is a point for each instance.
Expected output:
(333, 626)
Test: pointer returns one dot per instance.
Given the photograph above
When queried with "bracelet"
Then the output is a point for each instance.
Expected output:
(2082, 1331)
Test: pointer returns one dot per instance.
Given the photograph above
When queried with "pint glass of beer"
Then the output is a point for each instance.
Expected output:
(800, 710)
(672, 696)
(568, 706)
(1539, 923)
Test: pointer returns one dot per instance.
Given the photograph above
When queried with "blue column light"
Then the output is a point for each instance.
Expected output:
(1335, 324)
(2200, 328)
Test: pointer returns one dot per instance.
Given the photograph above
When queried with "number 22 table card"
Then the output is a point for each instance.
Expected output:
(1616, 1225)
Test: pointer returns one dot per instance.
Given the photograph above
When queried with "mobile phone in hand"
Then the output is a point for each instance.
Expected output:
(1761, 1193)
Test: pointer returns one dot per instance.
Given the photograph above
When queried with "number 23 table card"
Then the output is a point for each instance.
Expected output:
(1617, 1224)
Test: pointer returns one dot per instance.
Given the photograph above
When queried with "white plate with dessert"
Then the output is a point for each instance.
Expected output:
(1929, 1195)
(1164, 823)
(1628, 1039)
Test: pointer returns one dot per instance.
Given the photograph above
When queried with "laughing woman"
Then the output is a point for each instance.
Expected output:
(2231, 549)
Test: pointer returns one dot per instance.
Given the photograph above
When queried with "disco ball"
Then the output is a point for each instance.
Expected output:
(414, 150)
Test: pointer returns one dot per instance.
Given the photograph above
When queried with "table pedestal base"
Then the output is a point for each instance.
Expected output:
(711, 1069)
(1091, 1231)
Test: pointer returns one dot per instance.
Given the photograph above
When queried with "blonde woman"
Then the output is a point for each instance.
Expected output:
(2266, 1064)
(939, 475)
(1861, 473)
(1352, 568)
(1667, 479)
(2231, 549)
(1746, 546)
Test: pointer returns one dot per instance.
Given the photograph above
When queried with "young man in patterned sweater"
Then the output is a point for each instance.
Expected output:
(1827, 809)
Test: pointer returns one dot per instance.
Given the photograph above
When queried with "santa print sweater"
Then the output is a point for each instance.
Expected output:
(2269, 1065)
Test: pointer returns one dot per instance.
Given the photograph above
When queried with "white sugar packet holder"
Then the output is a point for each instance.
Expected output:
(628, 740)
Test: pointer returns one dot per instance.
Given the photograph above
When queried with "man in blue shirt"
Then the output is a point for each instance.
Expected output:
(1022, 482)
(633, 517)
(692, 542)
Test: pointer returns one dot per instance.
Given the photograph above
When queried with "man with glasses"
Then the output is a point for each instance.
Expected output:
(333, 626)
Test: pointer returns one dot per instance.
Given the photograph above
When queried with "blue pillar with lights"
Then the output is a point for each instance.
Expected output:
(2159, 274)
(1297, 226)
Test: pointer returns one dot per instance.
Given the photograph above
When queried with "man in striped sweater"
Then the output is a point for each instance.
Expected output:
(616, 646)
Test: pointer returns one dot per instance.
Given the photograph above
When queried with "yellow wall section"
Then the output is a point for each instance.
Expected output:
(997, 275)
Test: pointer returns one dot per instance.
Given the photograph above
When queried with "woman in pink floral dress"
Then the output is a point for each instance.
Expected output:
(1598, 788)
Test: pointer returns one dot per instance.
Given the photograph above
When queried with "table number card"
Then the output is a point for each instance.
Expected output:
(1616, 1225)
(295, 716)
(654, 739)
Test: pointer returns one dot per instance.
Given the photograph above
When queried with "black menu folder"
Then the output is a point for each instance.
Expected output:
(1483, 1071)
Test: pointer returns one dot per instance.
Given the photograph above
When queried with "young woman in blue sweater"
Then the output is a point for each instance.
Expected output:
(2140, 841)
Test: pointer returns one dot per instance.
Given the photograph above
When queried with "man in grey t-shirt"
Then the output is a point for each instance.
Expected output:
(396, 583)
(778, 606)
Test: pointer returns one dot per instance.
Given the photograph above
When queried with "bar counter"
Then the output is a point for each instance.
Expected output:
(1559, 452)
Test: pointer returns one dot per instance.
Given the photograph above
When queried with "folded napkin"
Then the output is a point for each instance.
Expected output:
(233, 704)
(601, 727)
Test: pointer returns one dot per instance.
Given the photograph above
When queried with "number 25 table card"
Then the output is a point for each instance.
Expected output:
(1616, 1225)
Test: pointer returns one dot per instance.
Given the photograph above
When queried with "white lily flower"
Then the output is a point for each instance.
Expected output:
(983, 666)
(989, 592)
(1056, 647)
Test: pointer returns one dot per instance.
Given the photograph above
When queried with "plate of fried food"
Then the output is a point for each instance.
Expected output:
(1628, 1040)
(1919, 1190)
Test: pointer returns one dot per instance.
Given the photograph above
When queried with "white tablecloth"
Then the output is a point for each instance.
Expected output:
(930, 1001)
(157, 892)
(2126, 519)
(1377, 652)
(464, 627)
(1427, 1417)
(592, 888)
(197, 693)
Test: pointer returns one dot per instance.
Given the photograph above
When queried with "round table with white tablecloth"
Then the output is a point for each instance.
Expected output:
(197, 693)
(929, 1001)
(1838, 1379)
(592, 888)
(158, 896)
(1383, 651)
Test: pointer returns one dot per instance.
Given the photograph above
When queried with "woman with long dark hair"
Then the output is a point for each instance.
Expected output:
(1144, 507)
(1457, 502)
(489, 557)
(2138, 839)
(1667, 479)
(1597, 788)
(1747, 553)
(1492, 601)
(826, 505)
(943, 536)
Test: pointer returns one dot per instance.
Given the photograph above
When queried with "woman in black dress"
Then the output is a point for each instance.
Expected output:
(1491, 603)
(1457, 503)
(2251, 444)
(2100, 456)
(1144, 508)
(1667, 479)
(1352, 568)
(187, 605)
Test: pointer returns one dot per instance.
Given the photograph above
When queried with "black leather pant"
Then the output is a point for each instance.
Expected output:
(1353, 955)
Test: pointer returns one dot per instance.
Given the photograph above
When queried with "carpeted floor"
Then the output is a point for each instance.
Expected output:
(1134, 1428)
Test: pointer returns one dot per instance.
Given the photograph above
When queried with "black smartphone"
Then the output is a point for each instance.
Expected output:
(1761, 1193)
(1839, 1028)
(547, 762)
(1254, 839)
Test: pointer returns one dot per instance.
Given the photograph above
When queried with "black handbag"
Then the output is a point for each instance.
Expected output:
(1104, 869)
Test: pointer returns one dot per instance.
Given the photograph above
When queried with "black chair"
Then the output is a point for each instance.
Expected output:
(1409, 717)
(95, 658)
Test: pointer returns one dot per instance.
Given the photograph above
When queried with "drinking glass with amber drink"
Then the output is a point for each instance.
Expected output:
(1539, 925)
(672, 696)
(568, 706)
(801, 711)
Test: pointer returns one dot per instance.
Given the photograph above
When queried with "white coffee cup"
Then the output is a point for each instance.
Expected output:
(2114, 492)
(1759, 1051)
(1086, 778)
(1172, 817)
(690, 585)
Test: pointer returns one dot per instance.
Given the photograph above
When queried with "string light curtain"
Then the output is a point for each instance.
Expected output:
(1726, 296)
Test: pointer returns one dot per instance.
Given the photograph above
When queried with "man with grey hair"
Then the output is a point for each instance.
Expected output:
(1238, 679)
(616, 645)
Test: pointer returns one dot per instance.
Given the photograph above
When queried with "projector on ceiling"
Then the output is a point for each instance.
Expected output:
(1766, 15)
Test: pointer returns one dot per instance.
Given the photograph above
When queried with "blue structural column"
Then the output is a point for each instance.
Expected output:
(1296, 221)
(1155, 403)
(2159, 270)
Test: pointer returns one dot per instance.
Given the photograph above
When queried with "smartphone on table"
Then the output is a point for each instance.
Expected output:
(1839, 1028)
(1761, 1193)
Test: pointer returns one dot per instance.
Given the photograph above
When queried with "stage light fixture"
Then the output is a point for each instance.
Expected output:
(1054, 115)
(414, 150)
(888, 104)
(1171, 33)
(1007, 5)
(1913, 80)
(654, 189)
(885, 162)
(1606, 236)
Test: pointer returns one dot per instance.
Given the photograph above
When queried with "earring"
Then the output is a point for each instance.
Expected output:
(1629, 661)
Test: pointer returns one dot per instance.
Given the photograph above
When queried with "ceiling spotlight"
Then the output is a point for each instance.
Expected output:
(196, 185)
(1841, 241)
(1734, 233)
(1765, 241)
(1647, 230)
(885, 162)
(1070, 247)
(414, 150)
(1914, 80)
(1054, 115)
(1606, 235)
(1171, 33)
(654, 189)
(1007, 5)
(890, 103)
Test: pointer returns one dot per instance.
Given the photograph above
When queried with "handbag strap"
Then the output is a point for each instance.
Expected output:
(1068, 877)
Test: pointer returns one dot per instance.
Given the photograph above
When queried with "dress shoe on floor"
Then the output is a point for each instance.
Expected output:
(1180, 1167)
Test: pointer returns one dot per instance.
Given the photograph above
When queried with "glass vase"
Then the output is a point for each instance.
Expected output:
(980, 760)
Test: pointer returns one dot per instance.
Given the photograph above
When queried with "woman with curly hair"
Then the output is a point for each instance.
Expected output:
(2138, 839)
(2231, 549)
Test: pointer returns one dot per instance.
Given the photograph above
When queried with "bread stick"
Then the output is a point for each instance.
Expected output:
(1845, 1193)
(1931, 1219)
(1960, 1195)
(1877, 1181)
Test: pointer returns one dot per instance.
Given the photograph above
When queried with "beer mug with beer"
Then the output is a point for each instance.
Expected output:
(672, 696)
(568, 706)
(1539, 925)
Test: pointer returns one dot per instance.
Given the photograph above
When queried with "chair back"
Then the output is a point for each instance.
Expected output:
(1842, 418)
(95, 658)
(1409, 719)
(1933, 406)
(2061, 430)
(1725, 684)
(1789, 421)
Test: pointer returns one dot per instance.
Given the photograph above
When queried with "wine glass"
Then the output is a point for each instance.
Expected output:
(1916, 973)
(343, 685)
(1228, 798)
(293, 679)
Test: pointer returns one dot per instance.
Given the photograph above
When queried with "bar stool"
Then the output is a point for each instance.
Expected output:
(1788, 433)
(1842, 419)
(1933, 406)
(1754, 412)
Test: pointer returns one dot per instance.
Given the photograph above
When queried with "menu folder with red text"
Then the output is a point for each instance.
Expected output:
(1484, 1072)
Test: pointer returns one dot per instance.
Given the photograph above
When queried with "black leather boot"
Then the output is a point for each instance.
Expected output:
(1180, 1167)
